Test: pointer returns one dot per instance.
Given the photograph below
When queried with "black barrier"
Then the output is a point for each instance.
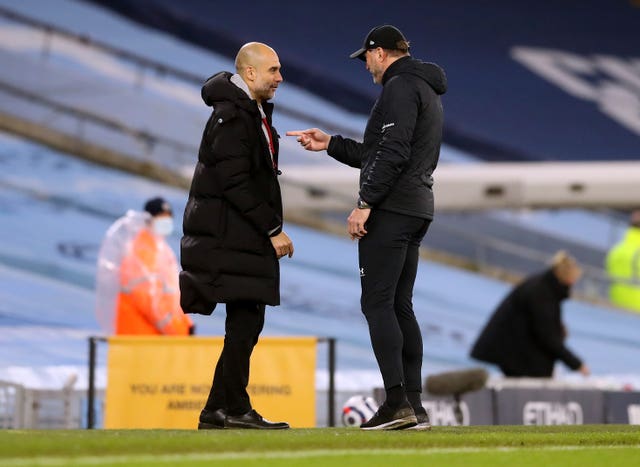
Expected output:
(543, 406)
(622, 407)
(476, 408)
(536, 402)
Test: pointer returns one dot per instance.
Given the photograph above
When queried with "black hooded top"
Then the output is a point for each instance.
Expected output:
(402, 140)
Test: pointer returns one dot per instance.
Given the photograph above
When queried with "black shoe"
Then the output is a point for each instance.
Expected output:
(212, 420)
(253, 419)
(387, 418)
(423, 422)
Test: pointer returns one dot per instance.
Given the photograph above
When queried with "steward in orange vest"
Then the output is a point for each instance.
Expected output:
(149, 298)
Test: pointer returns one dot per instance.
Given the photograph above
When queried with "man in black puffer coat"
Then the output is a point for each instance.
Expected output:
(525, 336)
(396, 160)
(233, 235)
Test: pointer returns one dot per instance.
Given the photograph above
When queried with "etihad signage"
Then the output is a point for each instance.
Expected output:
(633, 411)
(552, 413)
(443, 412)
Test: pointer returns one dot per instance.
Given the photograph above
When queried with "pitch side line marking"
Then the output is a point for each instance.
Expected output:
(172, 458)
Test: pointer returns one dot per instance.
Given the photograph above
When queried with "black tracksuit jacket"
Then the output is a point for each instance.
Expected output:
(401, 141)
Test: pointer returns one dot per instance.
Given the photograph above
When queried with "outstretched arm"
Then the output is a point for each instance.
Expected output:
(343, 150)
(312, 139)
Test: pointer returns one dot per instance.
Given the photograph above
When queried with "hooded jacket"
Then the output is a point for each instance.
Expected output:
(401, 143)
(525, 335)
(234, 206)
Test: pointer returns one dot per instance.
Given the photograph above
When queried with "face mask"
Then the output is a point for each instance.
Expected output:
(163, 226)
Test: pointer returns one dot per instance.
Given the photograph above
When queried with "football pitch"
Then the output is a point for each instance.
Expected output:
(586, 445)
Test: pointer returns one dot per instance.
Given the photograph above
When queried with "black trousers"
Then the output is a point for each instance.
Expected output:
(243, 325)
(388, 256)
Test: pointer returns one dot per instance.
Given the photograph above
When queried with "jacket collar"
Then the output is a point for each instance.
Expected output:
(394, 68)
(219, 87)
(560, 290)
(240, 83)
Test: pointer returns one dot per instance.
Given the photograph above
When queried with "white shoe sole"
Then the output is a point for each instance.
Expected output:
(397, 424)
(420, 427)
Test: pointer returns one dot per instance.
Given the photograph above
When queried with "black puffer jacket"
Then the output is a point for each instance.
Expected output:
(234, 206)
(402, 140)
(525, 335)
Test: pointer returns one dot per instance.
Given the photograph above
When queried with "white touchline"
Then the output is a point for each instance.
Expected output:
(172, 458)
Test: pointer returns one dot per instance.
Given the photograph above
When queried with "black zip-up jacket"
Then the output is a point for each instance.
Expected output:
(401, 141)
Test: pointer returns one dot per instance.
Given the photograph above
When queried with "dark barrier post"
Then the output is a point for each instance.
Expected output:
(92, 389)
(331, 366)
(332, 386)
(91, 393)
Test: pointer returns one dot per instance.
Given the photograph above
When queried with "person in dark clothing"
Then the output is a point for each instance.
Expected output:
(525, 335)
(396, 159)
(233, 236)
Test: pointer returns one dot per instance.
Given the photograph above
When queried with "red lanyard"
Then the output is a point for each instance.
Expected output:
(271, 147)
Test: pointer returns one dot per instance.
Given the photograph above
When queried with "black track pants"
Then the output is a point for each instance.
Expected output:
(388, 256)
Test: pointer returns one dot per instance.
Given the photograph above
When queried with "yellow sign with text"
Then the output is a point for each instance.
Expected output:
(164, 382)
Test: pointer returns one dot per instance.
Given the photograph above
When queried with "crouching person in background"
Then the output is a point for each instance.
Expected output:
(525, 336)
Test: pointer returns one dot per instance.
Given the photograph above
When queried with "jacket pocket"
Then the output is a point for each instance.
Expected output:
(241, 235)
(205, 216)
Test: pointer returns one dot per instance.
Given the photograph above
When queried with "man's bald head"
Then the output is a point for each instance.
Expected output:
(259, 66)
(251, 55)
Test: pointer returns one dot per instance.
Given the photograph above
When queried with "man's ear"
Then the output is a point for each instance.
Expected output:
(251, 73)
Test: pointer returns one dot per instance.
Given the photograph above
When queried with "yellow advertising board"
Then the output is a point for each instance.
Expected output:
(163, 382)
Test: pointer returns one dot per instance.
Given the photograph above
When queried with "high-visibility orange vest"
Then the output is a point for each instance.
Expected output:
(149, 298)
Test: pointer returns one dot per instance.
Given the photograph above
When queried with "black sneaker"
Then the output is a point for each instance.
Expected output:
(423, 422)
(387, 418)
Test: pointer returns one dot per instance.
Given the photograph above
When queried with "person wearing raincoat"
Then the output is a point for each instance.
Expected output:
(137, 286)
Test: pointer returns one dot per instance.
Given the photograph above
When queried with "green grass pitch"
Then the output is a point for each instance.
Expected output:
(587, 445)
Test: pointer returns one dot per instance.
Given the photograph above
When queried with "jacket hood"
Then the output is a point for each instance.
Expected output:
(219, 88)
(430, 72)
